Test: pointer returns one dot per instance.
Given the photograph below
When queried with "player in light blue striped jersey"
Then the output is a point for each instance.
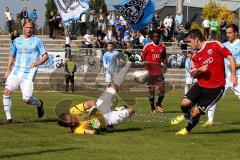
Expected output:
(28, 53)
(233, 45)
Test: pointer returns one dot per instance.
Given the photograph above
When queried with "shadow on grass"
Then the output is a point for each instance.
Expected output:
(36, 152)
(126, 130)
(221, 132)
(46, 120)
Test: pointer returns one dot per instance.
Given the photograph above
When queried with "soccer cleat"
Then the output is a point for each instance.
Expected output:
(207, 124)
(178, 120)
(9, 121)
(40, 110)
(183, 132)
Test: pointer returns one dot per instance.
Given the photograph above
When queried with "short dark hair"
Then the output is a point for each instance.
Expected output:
(195, 33)
(64, 120)
(110, 43)
(233, 26)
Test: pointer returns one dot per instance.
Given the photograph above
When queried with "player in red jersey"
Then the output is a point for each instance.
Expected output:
(155, 61)
(208, 68)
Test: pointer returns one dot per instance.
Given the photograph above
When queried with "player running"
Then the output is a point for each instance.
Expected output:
(208, 68)
(155, 61)
(28, 52)
(233, 44)
(104, 117)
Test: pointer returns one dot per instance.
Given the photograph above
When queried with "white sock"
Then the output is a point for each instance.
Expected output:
(35, 101)
(211, 112)
(7, 105)
(186, 89)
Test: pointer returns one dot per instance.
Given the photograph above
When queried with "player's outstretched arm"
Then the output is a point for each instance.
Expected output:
(11, 59)
(89, 104)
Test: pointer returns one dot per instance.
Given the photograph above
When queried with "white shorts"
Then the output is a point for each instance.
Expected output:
(108, 77)
(113, 118)
(26, 86)
(235, 89)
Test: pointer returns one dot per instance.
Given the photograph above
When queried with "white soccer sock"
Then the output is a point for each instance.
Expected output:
(7, 105)
(211, 112)
(34, 101)
(186, 89)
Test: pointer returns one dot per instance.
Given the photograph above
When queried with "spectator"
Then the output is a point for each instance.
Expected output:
(56, 25)
(101, 19)
(178, 19)
(223, 26)
(163, 31)
(126, 34)
(111, 18)
(99, 42)
(146, 40)
(9, 20)
(67, 45)
(83, 24)
(92, 21)
(14, 35)
(24, 15)
(206, 27)
(33, 16)
(88, 41)
(70, 69)
(51, 18)
(155, 21)
(214, 28)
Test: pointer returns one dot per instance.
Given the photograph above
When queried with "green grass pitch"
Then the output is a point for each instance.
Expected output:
(141, 137)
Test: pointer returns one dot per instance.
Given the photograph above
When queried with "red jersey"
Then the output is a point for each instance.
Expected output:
(154, 55)
(213, 54)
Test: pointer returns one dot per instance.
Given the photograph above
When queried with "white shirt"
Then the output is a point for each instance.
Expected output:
(168, 22)
(67, 40)
(206, 23)
(83, 18)
(111, 19)
(88, 39)
(8, 16)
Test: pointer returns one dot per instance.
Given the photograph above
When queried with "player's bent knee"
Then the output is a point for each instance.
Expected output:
(185, 103)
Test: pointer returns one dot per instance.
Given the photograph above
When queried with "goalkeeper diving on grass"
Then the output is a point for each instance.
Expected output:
(99, 114)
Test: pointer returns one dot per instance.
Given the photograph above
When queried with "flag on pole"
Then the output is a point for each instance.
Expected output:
(138, 13)
(71, 10)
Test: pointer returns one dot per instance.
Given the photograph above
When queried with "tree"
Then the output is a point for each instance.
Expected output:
(215, 10)
(98, 4)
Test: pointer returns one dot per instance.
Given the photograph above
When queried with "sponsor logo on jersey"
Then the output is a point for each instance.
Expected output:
(209, 51)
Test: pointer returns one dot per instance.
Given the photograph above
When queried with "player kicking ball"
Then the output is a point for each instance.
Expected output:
(208, 68)
(99, 115)
(28, 52)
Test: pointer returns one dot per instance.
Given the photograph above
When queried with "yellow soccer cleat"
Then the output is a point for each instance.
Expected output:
(207, 124)
(183, 132)
(178, 120)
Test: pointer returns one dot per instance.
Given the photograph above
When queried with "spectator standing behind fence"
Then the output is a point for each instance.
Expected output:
(33, 16)
(9, 20)
(214, 28)
(178, 20)
(67, 45)
(111, 18)
(223, 28)
(83, 24)
(155, 21)
(110, 62)
(206, 27)
(24, 15)
(70, 69)
(56, 25)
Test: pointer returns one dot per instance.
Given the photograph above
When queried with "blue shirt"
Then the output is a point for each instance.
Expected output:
(33, 16)
(146, 41)
(234, 48)
(110, 60)
(26, 52)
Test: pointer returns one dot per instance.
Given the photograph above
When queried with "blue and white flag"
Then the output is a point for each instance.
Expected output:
(138, 13)
(71, 10)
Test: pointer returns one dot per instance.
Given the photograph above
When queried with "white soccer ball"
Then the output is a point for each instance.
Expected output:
(141, 76)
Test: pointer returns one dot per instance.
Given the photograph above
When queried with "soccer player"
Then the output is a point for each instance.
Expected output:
(155, 61)
(233, 44)
(103, 117)
(208, 68)
(28, 52)
(189, 79)
(110, 62)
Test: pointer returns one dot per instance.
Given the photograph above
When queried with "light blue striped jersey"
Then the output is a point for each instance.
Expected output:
(187, 67)
(234, 48)
(110, 60)
(26, 51)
